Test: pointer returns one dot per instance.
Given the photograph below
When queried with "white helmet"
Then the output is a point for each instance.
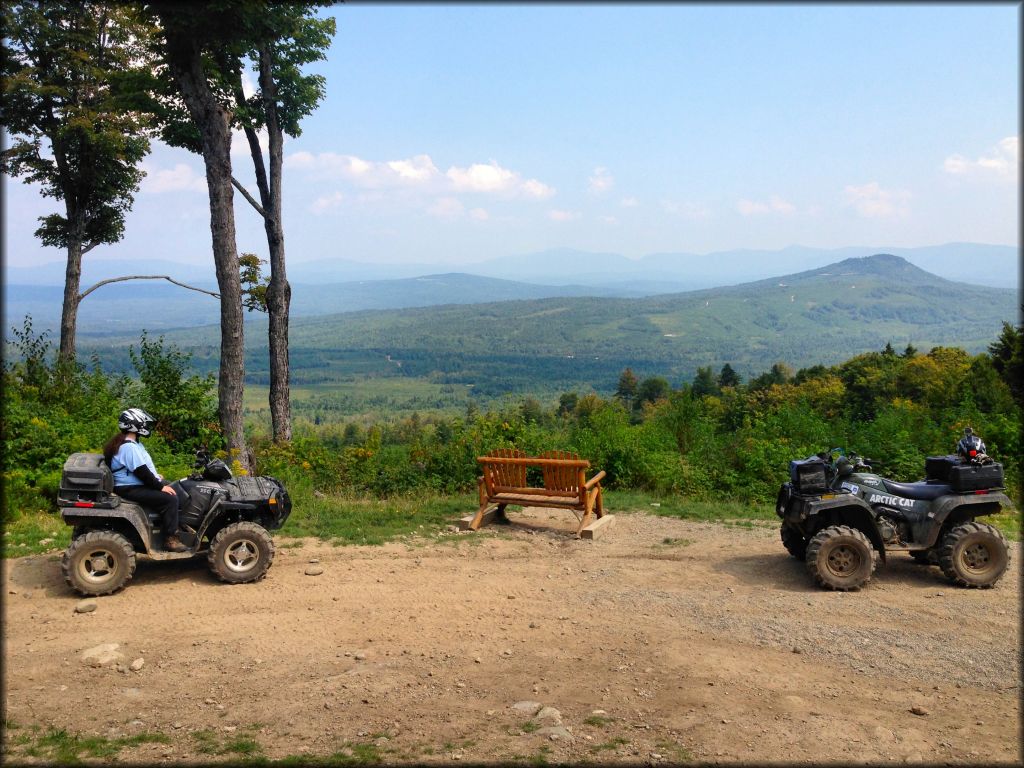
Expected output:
(135, 420)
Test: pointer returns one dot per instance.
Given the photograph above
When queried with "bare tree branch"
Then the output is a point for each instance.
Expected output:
(144, 277)
(248, 197)
(89, 247)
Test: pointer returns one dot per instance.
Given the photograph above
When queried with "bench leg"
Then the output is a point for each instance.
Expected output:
(478, 518)
(594, 509)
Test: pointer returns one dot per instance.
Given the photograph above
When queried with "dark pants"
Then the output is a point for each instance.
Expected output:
(164, 503)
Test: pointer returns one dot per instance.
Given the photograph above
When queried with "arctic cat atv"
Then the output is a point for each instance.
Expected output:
(837, 514)
(225, 517)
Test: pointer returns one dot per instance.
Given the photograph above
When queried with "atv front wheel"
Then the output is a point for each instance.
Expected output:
(974, 555)
(840, 557)
(793, 541)
(98, 563)
(241, 552)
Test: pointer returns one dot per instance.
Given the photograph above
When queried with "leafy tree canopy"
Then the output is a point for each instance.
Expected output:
(64, 68)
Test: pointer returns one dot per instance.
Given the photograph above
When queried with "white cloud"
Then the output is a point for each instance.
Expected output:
(600, 181)
(492, 178)
(629, 202)
(774, 204)
(417, 170)
(418, 173)
(873, 202)
(325, 203)
(1002, 161)
(556, 214)
(180, 178)
(686, 210)
(479, 214)
(446, 208)
(609, 220)
(481, 177)
(537, 189)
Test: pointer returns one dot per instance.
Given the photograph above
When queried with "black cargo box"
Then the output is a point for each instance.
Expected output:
(976, 477)
(809, 475)
(937, 467)
(86, 477)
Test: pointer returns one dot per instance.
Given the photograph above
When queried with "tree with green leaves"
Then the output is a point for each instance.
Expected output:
(704, 382)
(194, 45)
(728, 377)
(1007, 353)
(780, 373)
(652, 389)
(285, 37)
(62, 65)
(626, 391)
(277, 40)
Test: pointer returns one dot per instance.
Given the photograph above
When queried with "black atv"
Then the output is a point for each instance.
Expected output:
(225, 517)
(837, 514)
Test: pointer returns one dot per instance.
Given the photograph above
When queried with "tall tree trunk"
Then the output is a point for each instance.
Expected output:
(279, 292)
(73, 271)
(213, 121)
(69, 309)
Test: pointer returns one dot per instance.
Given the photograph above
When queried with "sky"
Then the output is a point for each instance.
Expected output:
(453, 134)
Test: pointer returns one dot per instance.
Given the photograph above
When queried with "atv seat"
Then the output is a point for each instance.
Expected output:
(155, 519)
(922, 491)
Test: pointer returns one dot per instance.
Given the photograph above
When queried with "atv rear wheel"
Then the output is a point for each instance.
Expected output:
(974, 555)
(98, 563)
(840, 557)
(793, 541)
(241, 552)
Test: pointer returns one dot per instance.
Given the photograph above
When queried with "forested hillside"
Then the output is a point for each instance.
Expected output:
(719, 436)
(821, 316)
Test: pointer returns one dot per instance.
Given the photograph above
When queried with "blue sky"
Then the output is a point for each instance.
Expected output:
(458, 133)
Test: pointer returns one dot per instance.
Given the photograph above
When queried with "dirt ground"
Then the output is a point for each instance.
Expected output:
(661, 641)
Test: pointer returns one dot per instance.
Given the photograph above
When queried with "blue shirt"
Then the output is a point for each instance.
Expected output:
(128, 458)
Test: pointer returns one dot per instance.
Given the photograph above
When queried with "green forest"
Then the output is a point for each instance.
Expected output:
(433, 358)
(718, 438)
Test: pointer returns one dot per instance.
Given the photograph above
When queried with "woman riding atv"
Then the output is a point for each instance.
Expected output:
(135, 475)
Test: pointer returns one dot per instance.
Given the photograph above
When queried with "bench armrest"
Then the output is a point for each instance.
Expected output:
(594, 480)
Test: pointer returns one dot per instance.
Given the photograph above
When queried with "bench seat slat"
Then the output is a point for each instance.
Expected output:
(535, 500)
(527, 491)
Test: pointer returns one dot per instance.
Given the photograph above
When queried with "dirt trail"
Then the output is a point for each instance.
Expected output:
(662, 641)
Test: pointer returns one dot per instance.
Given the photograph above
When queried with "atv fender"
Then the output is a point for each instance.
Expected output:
(972, 505)
(220, 508)
(844, 509)
(126, 517)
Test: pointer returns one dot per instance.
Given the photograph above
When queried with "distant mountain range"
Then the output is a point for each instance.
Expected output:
(817, 316)
(337, 285)
(158, 305)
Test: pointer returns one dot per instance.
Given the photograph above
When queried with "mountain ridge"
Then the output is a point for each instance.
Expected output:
(976, 263)
(818, 316)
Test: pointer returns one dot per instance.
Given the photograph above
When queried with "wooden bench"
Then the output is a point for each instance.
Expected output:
(504, 483)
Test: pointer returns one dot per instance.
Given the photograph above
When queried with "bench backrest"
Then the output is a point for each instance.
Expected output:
(568, 475)
(505, 471)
